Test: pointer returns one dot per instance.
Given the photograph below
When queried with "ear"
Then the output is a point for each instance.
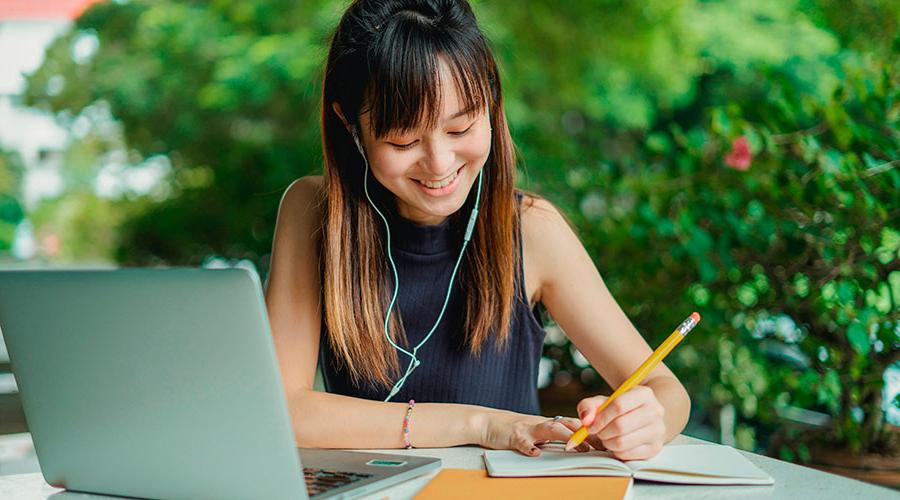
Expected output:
(338, 111)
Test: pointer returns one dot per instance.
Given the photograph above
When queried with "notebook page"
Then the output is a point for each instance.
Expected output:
(507, 463)
(699, 464)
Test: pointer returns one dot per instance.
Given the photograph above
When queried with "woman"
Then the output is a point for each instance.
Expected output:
(375, 275)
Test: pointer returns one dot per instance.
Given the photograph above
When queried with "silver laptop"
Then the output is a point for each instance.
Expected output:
(163, 383)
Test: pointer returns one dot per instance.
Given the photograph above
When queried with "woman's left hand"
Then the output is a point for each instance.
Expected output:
(632, 427)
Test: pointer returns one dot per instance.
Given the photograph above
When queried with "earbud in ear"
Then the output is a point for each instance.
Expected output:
(355, 135)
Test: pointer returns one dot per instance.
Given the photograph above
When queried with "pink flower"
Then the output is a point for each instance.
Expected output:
(739, 157)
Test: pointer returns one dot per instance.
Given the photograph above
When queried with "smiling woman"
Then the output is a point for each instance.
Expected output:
(430, 171)
(410, 83)
(419, 185)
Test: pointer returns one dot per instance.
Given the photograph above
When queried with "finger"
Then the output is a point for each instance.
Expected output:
(567, 426)
(632, 440)
(584, 447)
(573, 424)
(595, 442)
(643, 452)
(619, 406)
(628, 422)
(554, 430)
(525, 445)
(523, 440)
(587, 409)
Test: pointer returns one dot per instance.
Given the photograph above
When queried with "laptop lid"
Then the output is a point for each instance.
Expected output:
(157, 383)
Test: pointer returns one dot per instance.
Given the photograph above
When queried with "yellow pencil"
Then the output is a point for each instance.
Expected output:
(661, 352)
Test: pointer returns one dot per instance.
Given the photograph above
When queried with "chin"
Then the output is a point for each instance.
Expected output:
(442, 208)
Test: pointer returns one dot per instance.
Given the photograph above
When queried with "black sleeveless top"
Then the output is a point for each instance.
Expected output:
(449, 373)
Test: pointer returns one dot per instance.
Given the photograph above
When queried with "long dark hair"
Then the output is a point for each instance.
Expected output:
(384, 60)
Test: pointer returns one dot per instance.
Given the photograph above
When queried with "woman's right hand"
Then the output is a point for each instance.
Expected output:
(503, 430)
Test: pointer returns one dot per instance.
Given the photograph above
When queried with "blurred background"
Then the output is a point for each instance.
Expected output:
(739, 158)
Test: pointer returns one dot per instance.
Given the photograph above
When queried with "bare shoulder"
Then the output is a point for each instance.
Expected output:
(545, 234)
(299, 219)
(542, 222)
(306, 194)
(538, 210)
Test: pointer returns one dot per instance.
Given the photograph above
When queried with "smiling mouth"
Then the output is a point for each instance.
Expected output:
(441, 182)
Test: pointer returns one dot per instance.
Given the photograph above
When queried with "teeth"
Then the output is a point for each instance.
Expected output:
(439, 184)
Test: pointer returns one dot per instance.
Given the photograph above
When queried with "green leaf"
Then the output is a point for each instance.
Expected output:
(858, 337)
(829, 390)
(708, 272)
(846, 291)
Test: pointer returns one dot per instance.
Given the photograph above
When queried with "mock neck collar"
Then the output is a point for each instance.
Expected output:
(423, 239)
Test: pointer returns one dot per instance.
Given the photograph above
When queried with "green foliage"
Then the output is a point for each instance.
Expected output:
(11, 213)
(227, 92)
(793, 263)
(86, 226)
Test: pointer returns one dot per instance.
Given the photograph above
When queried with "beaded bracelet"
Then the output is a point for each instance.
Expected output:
(409, 410)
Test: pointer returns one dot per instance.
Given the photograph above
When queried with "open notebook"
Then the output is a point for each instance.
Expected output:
(683, 463)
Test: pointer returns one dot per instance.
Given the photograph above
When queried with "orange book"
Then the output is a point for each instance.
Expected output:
(453, 484)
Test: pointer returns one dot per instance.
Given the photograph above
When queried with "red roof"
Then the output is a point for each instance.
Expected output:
(43, 9)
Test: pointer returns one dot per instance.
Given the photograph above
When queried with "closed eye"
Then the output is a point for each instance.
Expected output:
(403, 146)
(413, 143)
(463, 132)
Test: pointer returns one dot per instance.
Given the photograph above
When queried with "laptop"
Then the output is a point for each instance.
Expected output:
(163, 383)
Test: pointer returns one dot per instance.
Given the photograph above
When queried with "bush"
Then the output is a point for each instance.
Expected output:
(778, 221)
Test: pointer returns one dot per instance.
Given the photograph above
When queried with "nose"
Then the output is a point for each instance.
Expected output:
(439, 160)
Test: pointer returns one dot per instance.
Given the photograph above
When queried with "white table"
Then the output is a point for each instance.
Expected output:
(793, 482)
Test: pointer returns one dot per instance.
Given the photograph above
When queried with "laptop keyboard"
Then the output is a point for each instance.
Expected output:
(322, 480)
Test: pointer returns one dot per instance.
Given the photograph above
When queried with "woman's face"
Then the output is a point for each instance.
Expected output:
(431, 171)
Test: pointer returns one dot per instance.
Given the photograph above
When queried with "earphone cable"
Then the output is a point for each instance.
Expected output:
(414, 361)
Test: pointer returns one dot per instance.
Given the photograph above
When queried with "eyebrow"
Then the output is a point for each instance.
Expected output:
(466, 111)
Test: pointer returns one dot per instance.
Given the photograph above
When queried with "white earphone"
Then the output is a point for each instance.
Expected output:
(414, 362)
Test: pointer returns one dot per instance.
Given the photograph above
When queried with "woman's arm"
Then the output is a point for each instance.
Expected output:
(325, 420)
(577, 298)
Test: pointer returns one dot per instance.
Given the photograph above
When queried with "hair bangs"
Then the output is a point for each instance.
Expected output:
(404, 92)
